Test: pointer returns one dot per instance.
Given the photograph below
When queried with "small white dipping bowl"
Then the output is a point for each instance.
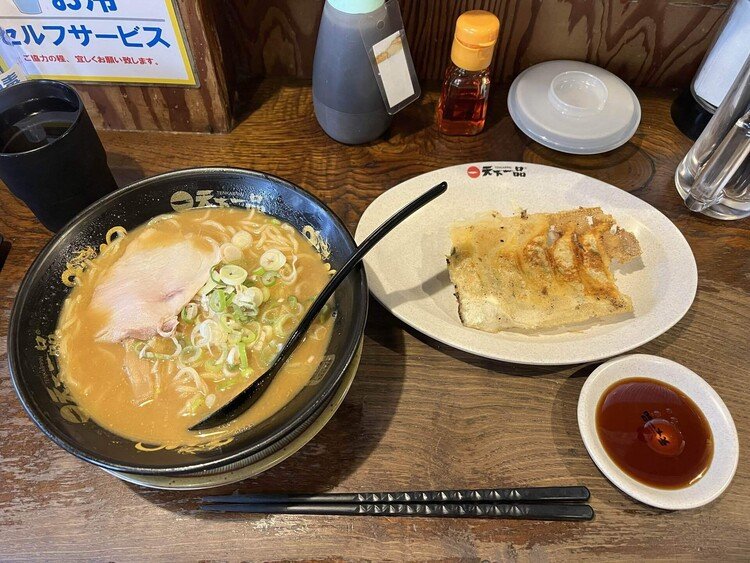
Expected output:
(726, 445)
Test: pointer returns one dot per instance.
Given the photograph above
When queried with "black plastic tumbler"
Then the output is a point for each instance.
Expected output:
(50, 154)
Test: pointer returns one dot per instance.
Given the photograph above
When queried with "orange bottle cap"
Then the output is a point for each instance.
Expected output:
(474, 40)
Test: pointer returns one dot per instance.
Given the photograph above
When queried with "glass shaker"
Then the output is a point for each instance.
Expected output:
(714, 176)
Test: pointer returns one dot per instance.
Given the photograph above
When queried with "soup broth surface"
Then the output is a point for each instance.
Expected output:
(150, 388)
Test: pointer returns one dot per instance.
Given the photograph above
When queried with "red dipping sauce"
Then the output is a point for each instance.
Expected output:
(654, 433)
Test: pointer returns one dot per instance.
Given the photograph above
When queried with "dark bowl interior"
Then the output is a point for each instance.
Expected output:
(41, 295)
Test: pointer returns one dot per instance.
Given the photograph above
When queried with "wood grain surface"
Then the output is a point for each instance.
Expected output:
(171, 108)
(645, 42)
(419, 415)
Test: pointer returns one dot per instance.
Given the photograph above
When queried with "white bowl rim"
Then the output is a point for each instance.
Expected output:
(726, 443)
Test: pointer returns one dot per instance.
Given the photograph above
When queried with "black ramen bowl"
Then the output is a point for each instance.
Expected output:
(31, 351)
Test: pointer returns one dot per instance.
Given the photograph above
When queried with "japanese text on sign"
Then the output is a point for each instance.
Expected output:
(130, 41)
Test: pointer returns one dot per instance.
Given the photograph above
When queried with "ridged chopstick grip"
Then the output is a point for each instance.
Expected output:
(522, 494)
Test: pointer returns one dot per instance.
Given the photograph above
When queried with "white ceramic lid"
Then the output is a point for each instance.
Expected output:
(726, 445)
(574, 107)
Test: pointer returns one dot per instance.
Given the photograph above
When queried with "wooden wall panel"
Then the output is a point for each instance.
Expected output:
(646, 42)
(205, 109)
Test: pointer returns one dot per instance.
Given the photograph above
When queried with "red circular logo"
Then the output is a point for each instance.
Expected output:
(473, 172)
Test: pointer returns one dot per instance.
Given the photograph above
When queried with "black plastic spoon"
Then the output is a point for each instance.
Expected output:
(251, 394)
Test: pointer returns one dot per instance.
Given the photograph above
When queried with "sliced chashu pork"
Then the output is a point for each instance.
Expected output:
(539, 271)
(159, 272)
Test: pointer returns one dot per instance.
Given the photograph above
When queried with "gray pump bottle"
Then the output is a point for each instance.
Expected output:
(348, 103)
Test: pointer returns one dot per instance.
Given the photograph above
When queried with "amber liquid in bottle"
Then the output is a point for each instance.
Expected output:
(462, 109)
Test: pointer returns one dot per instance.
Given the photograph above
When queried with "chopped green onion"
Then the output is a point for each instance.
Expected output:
(205, 330)
(215, 277)
(272, 259)
(229, 322)
(325, 313)
(189, 313)
(212, 365)
(242, 239)
(191, 354)
(238, 313)
(217, 301)
(275, 221)
(232, 275)
(196, 403)
(257, 295)
(268, 279)
(248, 337)
(249, 313)
(246, 373)
(249, 296)
(233, 357)
(225, 384)
(266, 293)
(259, 271)
(230, 253)
(243, 355)
(294, 305)
(244, 295)
(208, 288)
(156, 356)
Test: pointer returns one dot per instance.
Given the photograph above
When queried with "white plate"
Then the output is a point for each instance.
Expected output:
(407, 271)
(726, 445)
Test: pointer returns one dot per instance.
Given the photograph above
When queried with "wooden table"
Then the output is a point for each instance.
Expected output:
(419, 415)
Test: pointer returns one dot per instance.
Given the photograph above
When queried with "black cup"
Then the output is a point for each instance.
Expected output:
(50, 154)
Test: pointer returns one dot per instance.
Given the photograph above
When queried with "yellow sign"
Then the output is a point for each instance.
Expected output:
(112, 41)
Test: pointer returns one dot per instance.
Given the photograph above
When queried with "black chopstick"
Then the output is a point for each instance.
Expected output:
(511, 495)
(514, 511)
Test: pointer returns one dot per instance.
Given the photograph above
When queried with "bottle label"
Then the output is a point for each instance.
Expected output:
(385, 41)
(393, 69)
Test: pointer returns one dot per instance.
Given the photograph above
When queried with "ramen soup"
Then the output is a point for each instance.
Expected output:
(173, 319)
